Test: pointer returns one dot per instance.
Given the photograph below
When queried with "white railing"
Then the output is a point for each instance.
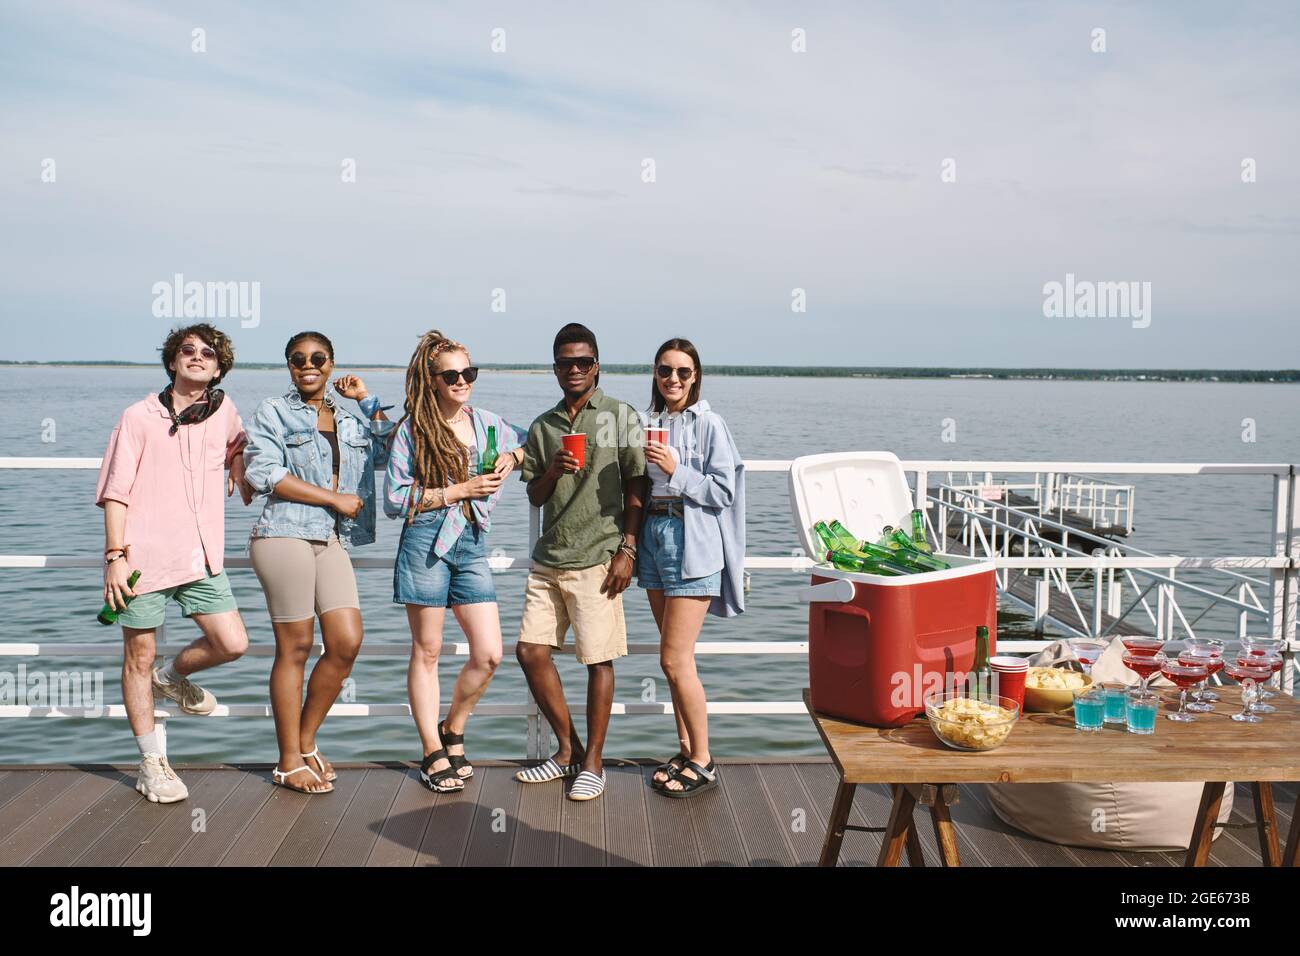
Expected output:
(1279, 611)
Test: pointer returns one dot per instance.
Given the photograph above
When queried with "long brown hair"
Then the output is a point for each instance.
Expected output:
(437, 455)
(657, 403)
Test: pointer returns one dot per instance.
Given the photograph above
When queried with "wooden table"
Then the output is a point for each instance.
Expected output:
(1045, 748)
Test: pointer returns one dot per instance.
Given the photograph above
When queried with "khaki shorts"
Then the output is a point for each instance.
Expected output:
(302, 578)
(556, 598)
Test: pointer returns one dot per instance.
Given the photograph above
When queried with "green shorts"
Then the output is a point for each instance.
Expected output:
(210, 595)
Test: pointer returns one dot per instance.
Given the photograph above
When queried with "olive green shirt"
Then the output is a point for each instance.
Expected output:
(582, 524)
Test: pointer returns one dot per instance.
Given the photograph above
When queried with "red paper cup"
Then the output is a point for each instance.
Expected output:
(1011, 673)
(657, 433)
(576, 445)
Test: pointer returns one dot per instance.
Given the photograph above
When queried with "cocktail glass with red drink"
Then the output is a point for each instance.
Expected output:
(1215, 648)
(1250, 678)
(1212, 660)
(1263, 647)
(1184, 676)
(1271, 662)
(1144, 664)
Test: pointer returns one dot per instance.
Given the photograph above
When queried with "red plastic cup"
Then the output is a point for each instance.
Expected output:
(1011, 672)
(576, 445)
(656, 433)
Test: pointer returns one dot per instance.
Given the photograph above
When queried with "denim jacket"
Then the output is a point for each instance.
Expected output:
(283, 439)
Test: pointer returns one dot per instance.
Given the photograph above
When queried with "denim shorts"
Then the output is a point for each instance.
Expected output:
(461, 576)
(659, 560)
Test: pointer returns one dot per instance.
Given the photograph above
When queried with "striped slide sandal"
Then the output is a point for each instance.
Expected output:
(587, 786)
(547, 771)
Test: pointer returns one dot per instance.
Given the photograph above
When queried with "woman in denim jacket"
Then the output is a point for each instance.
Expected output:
(315, 461)
(692, 555)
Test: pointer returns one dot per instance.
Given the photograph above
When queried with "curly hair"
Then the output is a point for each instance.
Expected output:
(217, 340)
(437, 455)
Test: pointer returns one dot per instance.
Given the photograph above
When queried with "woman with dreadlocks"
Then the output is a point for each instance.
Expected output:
(437, 483)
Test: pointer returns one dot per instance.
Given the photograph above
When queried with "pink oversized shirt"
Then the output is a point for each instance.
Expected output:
(174, 487)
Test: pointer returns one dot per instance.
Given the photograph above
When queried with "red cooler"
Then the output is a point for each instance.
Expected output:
(877, 645)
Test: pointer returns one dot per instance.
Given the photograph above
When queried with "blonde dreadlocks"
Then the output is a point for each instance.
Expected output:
(438, 457)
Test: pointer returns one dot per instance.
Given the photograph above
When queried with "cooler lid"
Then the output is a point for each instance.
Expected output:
(865, 490)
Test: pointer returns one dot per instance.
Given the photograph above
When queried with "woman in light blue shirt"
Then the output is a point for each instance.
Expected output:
(692, 552)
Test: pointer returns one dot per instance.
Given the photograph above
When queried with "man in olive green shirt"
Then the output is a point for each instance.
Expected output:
(583, 560)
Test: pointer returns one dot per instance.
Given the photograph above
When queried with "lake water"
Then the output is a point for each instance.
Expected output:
(52, 513)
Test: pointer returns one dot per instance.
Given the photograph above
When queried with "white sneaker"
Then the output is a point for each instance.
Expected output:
(158, 781)
(192, 698)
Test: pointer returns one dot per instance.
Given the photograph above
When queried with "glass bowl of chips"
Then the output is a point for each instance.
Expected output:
(966, 723)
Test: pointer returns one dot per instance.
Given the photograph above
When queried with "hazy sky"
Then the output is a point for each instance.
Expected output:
(522, 170)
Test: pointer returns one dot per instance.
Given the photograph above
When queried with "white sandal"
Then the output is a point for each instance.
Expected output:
(281, 779)
(320, 762)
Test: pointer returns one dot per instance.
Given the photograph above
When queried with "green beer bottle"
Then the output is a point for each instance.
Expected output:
(918, 533)
(886, 539)
(884, 556)
(981, 676)
(844, 536)
(848, 561)
(911, 555)
(488, 460)
(826, 537)
(108, 615)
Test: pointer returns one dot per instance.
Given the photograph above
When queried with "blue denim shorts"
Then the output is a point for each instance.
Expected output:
(659, 560)
(461, 576)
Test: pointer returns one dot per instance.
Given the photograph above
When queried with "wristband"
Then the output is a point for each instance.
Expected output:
(369, 405)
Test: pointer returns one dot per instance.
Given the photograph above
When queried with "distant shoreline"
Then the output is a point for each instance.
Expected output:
(1277, 376)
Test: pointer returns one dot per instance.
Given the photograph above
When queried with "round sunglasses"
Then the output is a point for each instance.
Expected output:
(318, 360)
(684, 373)
(189, 350)
(451, 375)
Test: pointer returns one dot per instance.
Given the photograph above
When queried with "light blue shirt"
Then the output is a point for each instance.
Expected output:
(283, 439)
(710, 478)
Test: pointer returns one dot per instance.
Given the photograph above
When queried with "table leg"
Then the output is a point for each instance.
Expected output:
(1292, 855)
(900, 826)
(1266, 823)
(944, 831)
(835, 826)
(1207, 815)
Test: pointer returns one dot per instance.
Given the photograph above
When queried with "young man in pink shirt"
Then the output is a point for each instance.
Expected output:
(160, 486)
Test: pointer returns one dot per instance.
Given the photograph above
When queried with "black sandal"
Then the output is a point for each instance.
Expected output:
(457, 760)
(706, 778)
(434, 781)
(673, 765)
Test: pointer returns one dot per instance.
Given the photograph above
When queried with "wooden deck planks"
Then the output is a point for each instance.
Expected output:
(764, 814)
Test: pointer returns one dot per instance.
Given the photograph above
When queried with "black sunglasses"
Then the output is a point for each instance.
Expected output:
(318, 360)
(684, 373)
(583, 363)
(452, 374)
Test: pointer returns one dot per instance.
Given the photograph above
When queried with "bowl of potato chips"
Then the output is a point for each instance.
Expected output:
(1050, 690)
(965, 723)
